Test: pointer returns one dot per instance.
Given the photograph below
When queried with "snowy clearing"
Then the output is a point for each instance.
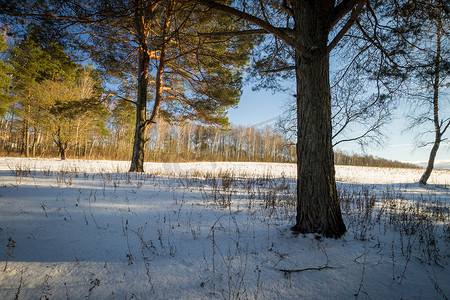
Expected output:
(89, 230)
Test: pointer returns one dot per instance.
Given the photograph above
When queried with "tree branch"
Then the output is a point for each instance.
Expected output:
(282, 35)
(445, 128)
(354, 16)
(241, 33)
(79, 19)
(342, 9)
(375, 43)
(233, 33)
(120, 97)
(288, 68)
(289, 271)
(285, 7)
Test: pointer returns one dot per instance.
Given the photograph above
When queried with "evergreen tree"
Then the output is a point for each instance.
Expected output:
(5, 80)
(154, 44)
(32, 64)
(310, 27)
(53, 95)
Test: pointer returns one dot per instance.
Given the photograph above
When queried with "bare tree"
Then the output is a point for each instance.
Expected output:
(425, 54)
(435, 78)
(357, 116)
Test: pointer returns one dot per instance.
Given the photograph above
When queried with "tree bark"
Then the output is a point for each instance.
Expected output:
(318, 208)
(27, 127)
(62, 146)
(142, 123)
(137, 159)
(62, 151)
(437, 125)
(35, 142)
(430, 165)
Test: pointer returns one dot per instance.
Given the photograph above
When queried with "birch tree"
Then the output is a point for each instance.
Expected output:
(426, 52)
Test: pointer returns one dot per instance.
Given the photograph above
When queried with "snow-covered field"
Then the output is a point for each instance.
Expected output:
(89, 230)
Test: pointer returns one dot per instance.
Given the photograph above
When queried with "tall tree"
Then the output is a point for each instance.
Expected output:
(34, 62)
(52, 93)
(414, 35)
(440, 69)
(315, 23)
(73, 109)
(426, 35)
(5, 80)
(153, 44)
(192, 79)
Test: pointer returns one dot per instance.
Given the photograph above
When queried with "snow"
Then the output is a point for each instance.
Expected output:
(212, 230)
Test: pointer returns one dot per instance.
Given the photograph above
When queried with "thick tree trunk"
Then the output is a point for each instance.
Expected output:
(318, 208)
(137, 159)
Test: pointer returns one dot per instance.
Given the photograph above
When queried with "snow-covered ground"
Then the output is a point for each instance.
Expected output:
(89, 230)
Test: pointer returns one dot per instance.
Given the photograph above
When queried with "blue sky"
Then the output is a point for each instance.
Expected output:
(257, 107)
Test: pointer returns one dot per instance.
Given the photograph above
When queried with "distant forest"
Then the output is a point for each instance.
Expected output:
(182, 142)
(52, 106)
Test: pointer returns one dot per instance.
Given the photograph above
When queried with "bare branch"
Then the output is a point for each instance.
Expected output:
(289, 271)
(120, 97)
(445, 128)
(375, 43)
(242, 33)
(342, 9)
(354, 16)
(288, 68)
(282, 35)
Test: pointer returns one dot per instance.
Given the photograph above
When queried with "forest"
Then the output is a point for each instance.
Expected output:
(184, 142)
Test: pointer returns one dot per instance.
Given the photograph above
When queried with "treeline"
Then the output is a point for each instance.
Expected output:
(51, 106)
(186, 141)
(182, 142)
(341, 158)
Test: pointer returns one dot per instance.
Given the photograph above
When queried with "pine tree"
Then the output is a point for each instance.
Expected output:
(5, 80)
(53, 94)
(154, 47)
(32, 64)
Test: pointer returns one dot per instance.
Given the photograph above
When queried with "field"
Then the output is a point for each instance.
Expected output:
(89, 230)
